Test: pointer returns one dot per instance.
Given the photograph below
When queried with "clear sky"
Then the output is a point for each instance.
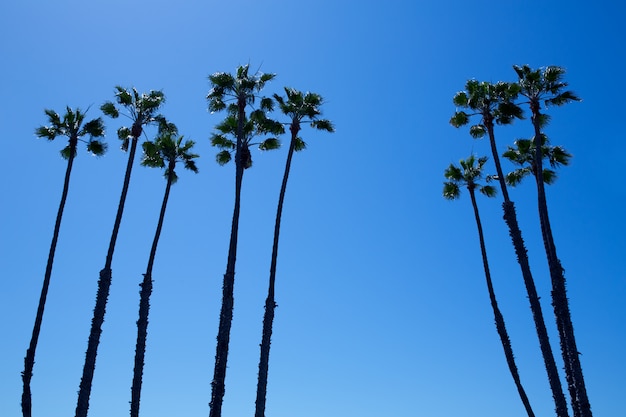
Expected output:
(383, 309)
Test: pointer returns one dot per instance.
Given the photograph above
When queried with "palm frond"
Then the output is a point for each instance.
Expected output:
(47, 132)
(222, 142)
(267, 104)
(223, 157)
(460, 99)
(453, 173)
(563, 98)
(124, 133)
(269, 144)
(549, 176)
(66, 152)
(109, 109)
(451, 191)
(514, 178)
(151, 155)
(558, 156)
(488, 190)
(478, 131)
(300, 145)
(124, 97)
(96, 147)
(94, 128)
(459, 119)
(323, 124)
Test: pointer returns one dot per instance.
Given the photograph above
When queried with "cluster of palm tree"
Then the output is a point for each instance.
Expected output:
(235, 94)
(500, 104)
(238, 95)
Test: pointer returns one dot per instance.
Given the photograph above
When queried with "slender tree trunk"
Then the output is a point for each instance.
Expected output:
(218, 385)
(270, 302)
(499, 319)
(29, 360)
(569, 350)
(144, 307)
(510, 217)
(104, 284)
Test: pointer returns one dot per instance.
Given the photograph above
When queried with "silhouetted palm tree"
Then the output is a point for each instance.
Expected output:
(494, 104)
(546, 85)
(72, 127)
(142, 110)
(243, 90)
(164, 152)
(300, 108)
(468, 175)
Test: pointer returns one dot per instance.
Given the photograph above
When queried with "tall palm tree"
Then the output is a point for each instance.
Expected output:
(300, 108)
(493, 103)
(546, 85)
(73, 126)
(142, 111)
(242, 91)
(164, 152)
(468, 175)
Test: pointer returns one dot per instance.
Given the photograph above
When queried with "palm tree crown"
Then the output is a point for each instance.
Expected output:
(493, 102)
(142, 110)
(242, 89)
(257, 124)
(523, 155)
(299, 107)
(166, 151)
(468, 175)
(544, 84)
(72, 126)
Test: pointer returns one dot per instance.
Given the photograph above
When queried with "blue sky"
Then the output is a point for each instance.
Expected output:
(383, 309)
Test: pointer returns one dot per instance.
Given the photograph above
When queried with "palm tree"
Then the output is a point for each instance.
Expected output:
(73, 127)
(142, 111)
(468, 175)
(494, 104)
(242, 90)
(546, 85)
(164, 152)
(299, 108)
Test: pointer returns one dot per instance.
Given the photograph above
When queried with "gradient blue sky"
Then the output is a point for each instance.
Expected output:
(383, 309)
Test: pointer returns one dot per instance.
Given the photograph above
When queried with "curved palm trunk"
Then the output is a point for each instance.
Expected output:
(29, 360)
(569, 351)
(510, 217)
(104, 284)
(270, 302)
(499, 319)
(144, 308)
(218, 385)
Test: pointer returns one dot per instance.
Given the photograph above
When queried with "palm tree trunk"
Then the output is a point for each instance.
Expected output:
(270, 302)
(144, 308)
(510, 218)
(569, 350)
(499, 319)
(104, 284)
(218, 385)
(29, 360)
